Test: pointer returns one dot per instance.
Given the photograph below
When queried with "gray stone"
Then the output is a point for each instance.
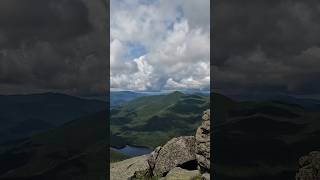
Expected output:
(125, 169)
(203, 143)
(176, 152)
(153, 156)
(206, 176)
(178, 173)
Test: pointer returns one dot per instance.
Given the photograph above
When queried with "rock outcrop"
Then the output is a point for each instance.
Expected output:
(179, 173)
(184, 157)
(309, 167)
(203, 143)
(126, 169)
(176, 152)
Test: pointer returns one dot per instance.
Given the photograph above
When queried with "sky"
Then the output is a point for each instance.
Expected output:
(266, 46)
(53, 46)
(158, 45)
(258, 46)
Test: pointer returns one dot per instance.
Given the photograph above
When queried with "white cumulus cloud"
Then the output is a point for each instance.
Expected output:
(176, 42)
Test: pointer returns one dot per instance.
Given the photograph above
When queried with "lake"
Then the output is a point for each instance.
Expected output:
(133, 150)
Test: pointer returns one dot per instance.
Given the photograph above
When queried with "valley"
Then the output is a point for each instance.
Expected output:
(252, 139)
(152, 120)
(75, 147)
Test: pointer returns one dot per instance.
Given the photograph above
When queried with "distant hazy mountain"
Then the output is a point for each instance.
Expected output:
(75, 150)
(120, 97)
(152, 120)
(260, 97)
(24, 115)
(261, 139)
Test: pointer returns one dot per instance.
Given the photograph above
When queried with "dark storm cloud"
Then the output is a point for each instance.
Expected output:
(48, 20)
(53, 45)
(267, 45)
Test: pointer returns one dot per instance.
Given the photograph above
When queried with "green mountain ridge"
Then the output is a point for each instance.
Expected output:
(152, 120)
(77, 149)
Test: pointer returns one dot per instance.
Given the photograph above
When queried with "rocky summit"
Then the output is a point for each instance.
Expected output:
(177, 151)
(125, 169)
(203, 143)
(180, 173)
(309, 167)
(181, 158)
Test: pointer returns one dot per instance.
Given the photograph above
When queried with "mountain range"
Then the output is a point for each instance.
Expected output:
(263, 97)
(120, 97)
(76, 147)
(52, 136)
(24, 115)
(252, 139)
(262, 139)
(152, 120)
(75, 150)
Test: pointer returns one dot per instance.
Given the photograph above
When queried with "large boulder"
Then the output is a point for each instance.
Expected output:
(309, 167)
(126, 169)
(183, 174)
(153, 157)
(203, 143)
(176, 152)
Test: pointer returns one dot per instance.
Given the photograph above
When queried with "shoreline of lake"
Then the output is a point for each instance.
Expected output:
(132, 150)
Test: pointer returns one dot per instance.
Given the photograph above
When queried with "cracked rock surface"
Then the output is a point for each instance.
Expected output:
(309, 167)
(203, 143)
(176, 152)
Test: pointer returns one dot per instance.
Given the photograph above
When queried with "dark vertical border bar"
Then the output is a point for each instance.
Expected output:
(108, 92)
(211, 91)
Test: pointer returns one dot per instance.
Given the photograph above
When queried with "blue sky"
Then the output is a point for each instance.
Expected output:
(135, 50)
(160, 45)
